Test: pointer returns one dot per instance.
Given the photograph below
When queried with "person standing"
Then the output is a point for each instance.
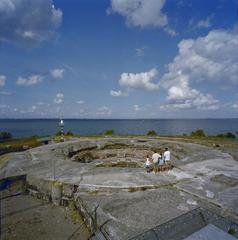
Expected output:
(167, 156)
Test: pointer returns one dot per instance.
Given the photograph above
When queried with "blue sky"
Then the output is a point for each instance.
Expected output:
(118, 58)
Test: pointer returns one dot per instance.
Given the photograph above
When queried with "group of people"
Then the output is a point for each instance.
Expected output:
(158, 159)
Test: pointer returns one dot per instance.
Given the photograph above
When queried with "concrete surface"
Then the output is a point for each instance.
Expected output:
(130, 200)
(210, 232)
(24, 218)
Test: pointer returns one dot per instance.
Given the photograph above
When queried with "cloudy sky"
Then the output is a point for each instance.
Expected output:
(118, 58)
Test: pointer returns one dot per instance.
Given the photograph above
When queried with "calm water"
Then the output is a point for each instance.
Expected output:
(43, 127)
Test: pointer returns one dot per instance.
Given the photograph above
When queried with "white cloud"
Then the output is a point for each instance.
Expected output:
(211, 58)
(140, 13)
(57, 73)
(141, 80)
(104, 111)
(31, 80)
(118, 93)
(235, 105)
(80, 102)
(2, 80)
(27, 20)
(31, 109)
(171, 31)
(140, 52)
(4, 106)
(59, 98)
(137, 108)
(206, 23)
(5, 93)
(40, 103)
(183, 96)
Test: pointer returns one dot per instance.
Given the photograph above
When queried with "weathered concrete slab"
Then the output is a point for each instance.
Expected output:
(210, 232)
(130, 213)
(129, 198)
(24, 217)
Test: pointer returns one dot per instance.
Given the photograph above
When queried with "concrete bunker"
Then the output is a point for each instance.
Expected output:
(117, 154)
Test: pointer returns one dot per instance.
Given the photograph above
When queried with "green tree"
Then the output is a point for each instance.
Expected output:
(230, 135)
(152, 133)
(69, 134)
(109, 132)
(5, 136)
(198, 133)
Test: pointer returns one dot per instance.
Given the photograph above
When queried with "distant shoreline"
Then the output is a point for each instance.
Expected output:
(126, 119)
(163, 127)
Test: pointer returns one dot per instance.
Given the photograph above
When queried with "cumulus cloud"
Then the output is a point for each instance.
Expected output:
(205, 23)
(5, 93)
(118, 93)
(27, 20)
(2, 80)
(182, 96)
(31, 109)
(59, 98)
(29, 81)
(140, 13)
(4, 106)
(140, 52)
(171, 31)
(137, 108)
(104, 111)
(57, 73)
(40, 103)
(210, 58)
(80, 102)
(141, 80)
(235, 105)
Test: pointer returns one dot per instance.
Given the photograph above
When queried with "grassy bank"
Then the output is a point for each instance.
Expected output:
(14, 145)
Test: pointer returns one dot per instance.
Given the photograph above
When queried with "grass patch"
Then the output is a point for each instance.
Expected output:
(4, 159)
(120, 164)
(18, 145)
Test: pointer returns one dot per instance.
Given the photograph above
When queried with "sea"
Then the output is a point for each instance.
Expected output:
(20, 128)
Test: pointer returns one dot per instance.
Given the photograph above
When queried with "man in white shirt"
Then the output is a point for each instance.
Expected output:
(167, 156)
(155, 157)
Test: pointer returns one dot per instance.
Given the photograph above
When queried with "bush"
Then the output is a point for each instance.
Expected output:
(58, 133)
(226, 135)
(109, 132)
(230, 135)
(69, 134)
(198, 133)
(220, 135)
(152, 133)
(5, 136)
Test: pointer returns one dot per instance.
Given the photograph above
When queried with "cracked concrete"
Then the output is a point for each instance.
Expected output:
(130, 199)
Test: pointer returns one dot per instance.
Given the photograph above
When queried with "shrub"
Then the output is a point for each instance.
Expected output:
(109, 132)
(230, 135)
(198, 133)
(58, 133)
(152, 133)
(226, 135)
(220, 135)
(5, 136)
(69, 134)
